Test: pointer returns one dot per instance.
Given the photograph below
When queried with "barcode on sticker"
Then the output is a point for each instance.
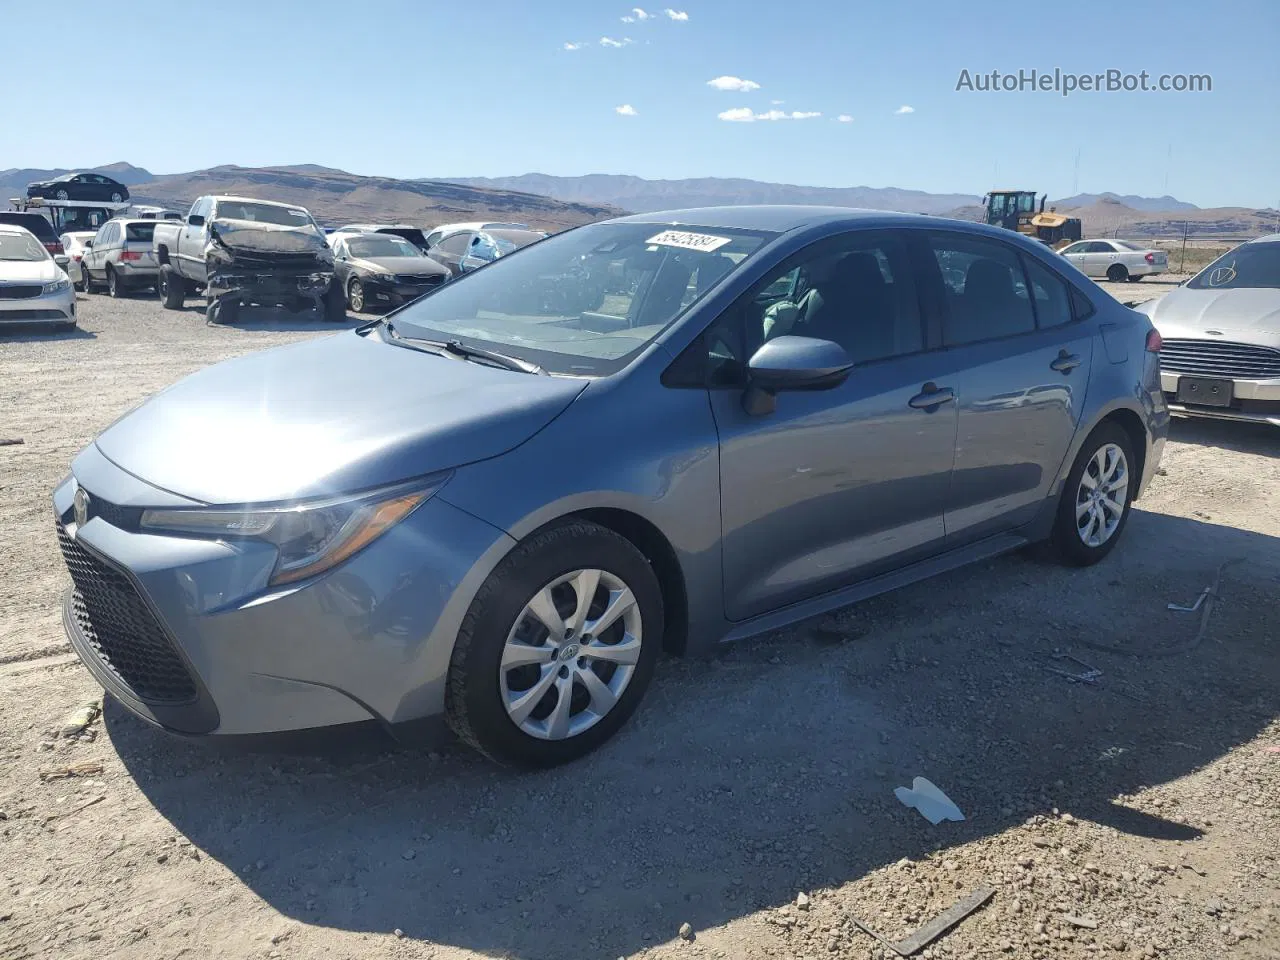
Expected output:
(689, 241)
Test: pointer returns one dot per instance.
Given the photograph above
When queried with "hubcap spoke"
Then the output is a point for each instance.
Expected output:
(1082, 509)
(620, 601)
(526, 700)
(584, 585)
(626, 651)
(1087, 481)
(517, 654)
(544, 608)
(602, 698)
(1101, 499)
(558, 722)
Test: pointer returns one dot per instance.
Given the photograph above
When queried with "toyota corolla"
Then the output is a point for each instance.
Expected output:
(499, 504)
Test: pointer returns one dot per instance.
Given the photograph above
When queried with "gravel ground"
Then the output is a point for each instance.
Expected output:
(751, 798)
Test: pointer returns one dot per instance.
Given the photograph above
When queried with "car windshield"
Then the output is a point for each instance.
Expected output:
(370, 248)
(586, 301)
(17, 246)
(263, 213)
(1248, 265)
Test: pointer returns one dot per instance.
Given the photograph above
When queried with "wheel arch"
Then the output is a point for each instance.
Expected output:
(1132, 425)
(162, 254)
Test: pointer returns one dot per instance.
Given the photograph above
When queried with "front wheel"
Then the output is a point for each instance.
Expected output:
(223, 310)
(335, 304)
(355, 296)
(1096, 499)
(557, 648)
(62, 195)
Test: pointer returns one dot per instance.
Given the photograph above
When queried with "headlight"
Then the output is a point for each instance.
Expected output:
(310, 537)
(58, 286)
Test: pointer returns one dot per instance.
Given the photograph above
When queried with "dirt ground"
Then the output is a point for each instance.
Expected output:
(751, 797)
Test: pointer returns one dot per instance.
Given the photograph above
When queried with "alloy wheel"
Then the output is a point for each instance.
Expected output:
(1102, 495)
(570, 654)
(356, 296)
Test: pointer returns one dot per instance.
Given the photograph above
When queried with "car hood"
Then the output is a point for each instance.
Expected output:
(416, 266)
(1247, 314)
(327, 416)
(253, 236)
(29, 271)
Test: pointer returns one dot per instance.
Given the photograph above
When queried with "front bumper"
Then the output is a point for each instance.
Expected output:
(37, 311)
(268, 288)
(1254, 401)
(371, 638)
(380, 292)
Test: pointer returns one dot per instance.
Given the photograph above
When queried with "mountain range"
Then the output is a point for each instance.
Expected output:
(553, 203)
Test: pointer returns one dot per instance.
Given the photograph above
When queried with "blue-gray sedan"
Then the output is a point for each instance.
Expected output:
(500, 503)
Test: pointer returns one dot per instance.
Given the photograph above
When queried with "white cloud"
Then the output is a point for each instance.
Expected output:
(777, 103)
(573, 46)
(676, 14)
(628, 19)
(745, 115)
(904, 109)
(640, 14)
(735, 84)
(610, 42)
(626, 110)
(844, 118)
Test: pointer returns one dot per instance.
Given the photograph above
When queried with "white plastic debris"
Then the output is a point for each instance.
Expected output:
(934, 805)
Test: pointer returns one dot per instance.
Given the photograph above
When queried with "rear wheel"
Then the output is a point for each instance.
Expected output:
(117, 197)
(557, 648)
(1117, 272)
(171, 287)
(355, 295)
(1096, 499)
(115, 288)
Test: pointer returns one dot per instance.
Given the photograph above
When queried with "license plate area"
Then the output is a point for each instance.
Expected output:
(1205, 391)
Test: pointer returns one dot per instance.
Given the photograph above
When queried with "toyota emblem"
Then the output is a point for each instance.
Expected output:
(81, 506)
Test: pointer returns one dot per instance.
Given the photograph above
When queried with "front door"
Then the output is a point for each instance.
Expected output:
(1018, 361)
(832, 486)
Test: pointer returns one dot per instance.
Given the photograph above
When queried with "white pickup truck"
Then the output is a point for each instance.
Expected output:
(240, 251)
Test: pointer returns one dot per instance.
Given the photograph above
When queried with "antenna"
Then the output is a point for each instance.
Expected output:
(1075, 180)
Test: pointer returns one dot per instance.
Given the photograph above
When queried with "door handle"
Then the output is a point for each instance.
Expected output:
(1065, 363)
(931, 397)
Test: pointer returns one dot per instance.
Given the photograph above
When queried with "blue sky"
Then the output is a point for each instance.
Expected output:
(486, 88)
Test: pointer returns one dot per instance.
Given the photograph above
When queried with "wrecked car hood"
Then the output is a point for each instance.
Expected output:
(327, 416)
(1244, 314)
(253, 237)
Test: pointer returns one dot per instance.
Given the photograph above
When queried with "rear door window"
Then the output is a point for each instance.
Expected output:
(984, 288)
(1050, 296)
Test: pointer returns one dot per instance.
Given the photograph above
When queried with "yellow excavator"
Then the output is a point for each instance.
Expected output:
(1016, 210)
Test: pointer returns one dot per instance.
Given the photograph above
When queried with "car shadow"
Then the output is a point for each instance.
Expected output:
(44, 334)
(279, 320)
(1261, 439)
(766, 770)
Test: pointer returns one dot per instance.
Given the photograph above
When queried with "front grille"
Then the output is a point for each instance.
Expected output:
(31, 315)
(115, 620)
(126, 518)
(419, 281)
(14, 291)
(1217, 358)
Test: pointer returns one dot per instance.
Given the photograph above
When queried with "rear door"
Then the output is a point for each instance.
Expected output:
(832, 486)
(451, 250)
(1019, 362)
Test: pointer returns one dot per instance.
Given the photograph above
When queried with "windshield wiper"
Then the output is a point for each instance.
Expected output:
(456, 348)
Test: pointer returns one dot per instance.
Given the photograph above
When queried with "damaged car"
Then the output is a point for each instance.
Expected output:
(240, 251)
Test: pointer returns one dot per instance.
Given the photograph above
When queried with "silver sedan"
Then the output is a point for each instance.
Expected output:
(1220, 356)
(1117, 260)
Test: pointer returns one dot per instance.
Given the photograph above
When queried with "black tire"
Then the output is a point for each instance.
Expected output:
(115, 286)
(1066, 545)
(88, 278)
(171, 287)
(1133, 279)
(80, 284)
(335, 304)
(473, 698)
(223, 310)
(1117, 273)
(355, 295)
(117, 197)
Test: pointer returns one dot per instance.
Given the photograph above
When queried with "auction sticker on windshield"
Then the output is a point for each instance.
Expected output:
(704, 242)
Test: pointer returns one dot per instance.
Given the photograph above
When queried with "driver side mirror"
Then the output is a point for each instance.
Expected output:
(195, 220)
(792, 363)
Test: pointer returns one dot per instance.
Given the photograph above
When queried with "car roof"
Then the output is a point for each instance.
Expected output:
(13, 228)
(773, 217)
(270, 203)
(1269, 238)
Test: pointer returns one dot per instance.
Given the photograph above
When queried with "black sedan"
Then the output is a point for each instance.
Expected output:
(378, 270)
(79, 186)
